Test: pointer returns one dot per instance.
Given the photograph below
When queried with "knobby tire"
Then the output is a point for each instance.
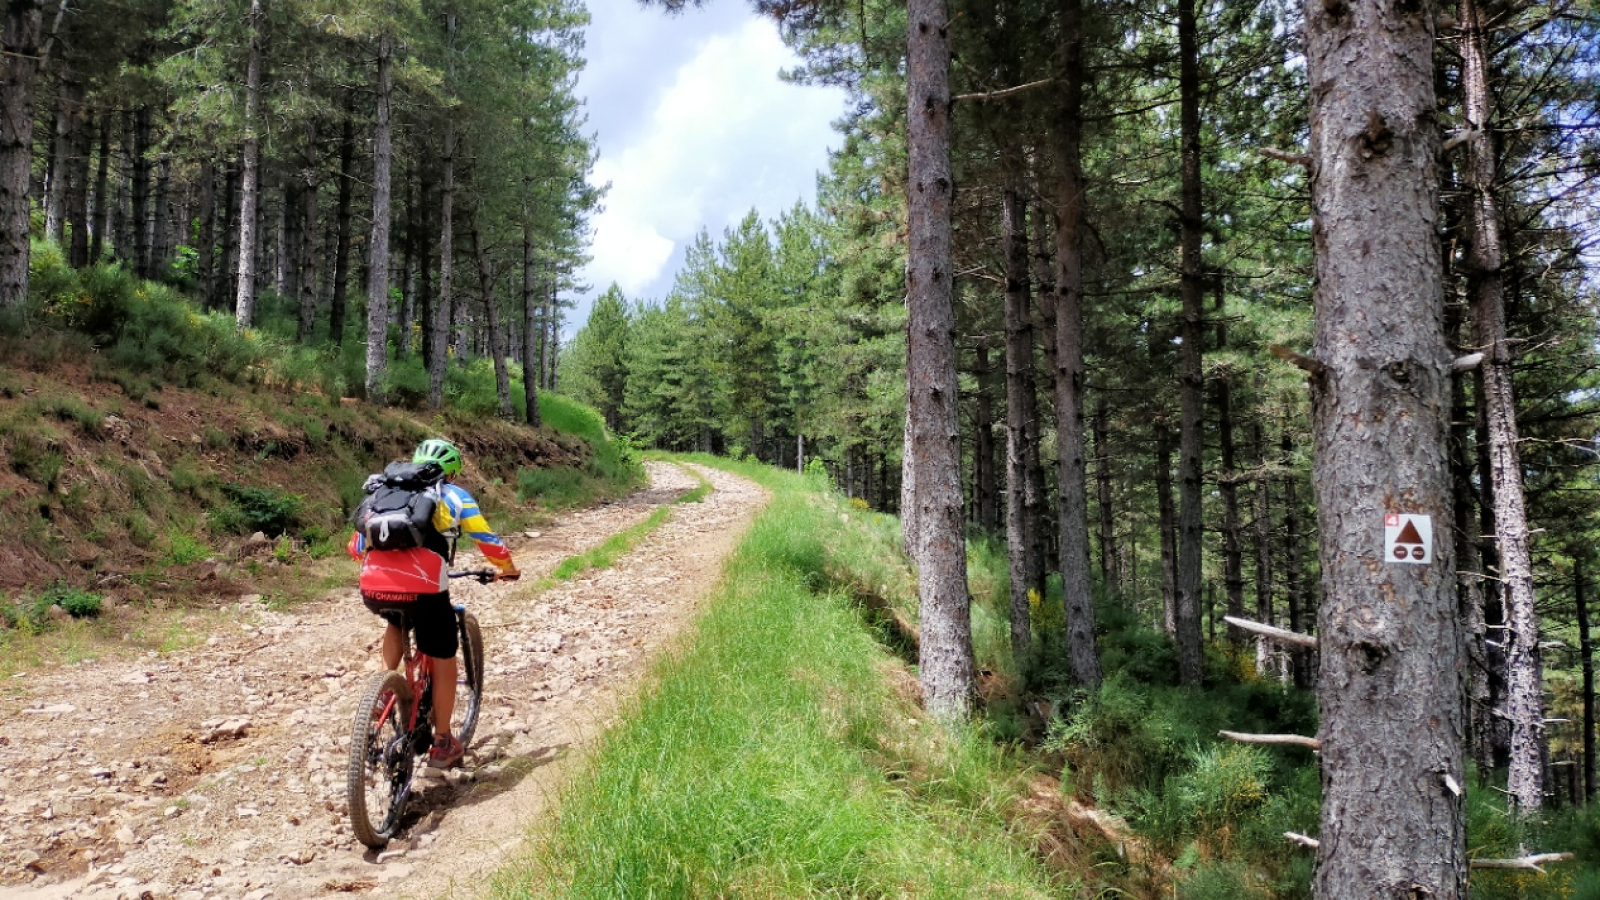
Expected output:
(381, 762)
(469, 680)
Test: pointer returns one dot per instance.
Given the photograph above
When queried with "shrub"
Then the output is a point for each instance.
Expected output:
(251, 509)
(79, 603)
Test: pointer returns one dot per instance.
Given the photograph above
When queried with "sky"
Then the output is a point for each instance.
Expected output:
(694, 129)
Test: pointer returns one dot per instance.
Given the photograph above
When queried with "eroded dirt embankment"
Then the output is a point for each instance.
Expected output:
(218, 771)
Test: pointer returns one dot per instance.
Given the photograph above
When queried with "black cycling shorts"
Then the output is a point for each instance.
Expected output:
(431, 617)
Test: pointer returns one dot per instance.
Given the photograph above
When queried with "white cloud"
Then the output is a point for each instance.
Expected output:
(708, 141)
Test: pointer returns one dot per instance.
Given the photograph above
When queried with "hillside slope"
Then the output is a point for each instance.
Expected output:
(139, 493)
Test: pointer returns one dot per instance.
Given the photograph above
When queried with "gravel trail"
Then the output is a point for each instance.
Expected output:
(218, 771)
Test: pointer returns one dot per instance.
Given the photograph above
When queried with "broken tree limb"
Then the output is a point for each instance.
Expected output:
(1459, 138)
(1293, 159)
(1004, 92)
(1533, 863)
(1281, 635)
(1297, 740)
(1467, 363)
(1311, 365)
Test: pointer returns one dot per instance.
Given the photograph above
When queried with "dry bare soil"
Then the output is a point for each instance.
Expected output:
(219, 771)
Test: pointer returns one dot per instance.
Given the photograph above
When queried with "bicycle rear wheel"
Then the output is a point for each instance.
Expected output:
(469, 678)
(378, 779)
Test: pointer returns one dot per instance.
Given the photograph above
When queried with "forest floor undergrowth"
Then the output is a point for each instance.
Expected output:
(217, 769)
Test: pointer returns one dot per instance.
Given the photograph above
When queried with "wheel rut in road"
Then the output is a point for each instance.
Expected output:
(219, 771)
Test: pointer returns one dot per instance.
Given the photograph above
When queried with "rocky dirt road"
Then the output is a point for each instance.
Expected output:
(218, 771)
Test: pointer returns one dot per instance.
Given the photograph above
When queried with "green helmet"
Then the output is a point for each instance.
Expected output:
(439, 451)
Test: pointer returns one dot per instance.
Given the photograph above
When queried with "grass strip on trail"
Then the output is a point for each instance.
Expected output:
(616, 546)
(777, 754)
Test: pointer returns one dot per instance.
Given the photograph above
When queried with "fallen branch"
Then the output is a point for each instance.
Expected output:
(1532, 863)
(1295, 739)
(1281, 635)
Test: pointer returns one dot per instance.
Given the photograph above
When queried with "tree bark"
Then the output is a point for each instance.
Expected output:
(530, 330)
(102, 204)
(1263, 535)
(308, 241)
(1191, 384)
(443, 312)
(1024, 485)
(1388, 632)
(985, 482)
(491, 314)
(24, 21)
(139, 224)
(206, 266)
(341, 247)
(1110, 573)
(77, 200)
(945, 655)
(244, 300)
(1299, 665)
(1586, 664)
(378, 248)
(68, 115)
(1486, 283)
(1073, 526)
(1167, 524)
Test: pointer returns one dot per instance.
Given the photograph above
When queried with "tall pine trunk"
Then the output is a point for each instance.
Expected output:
(1390, 638)
(530, 328)
(308, 241)
(491, 314)
(1486, 285)
(341, 240)
(1190, 381)
(22, 34)
(244, 299)
(1263, 536)
(77, 206)
(443, 313)
(102, 204)
(985, 488)
(947, 668)
(1024, 487)
(378, 248)
(1073, 525)
(1167, 524)
(1586, 665)
(1110, 572)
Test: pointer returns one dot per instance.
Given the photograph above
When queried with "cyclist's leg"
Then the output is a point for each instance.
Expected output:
(444, 694)
(392, 646)
(436, 637)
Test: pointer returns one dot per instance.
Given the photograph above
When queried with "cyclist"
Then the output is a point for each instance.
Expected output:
(417, 581)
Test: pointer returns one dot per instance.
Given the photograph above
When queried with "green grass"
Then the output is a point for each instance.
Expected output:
(614, 547)
(774, 758)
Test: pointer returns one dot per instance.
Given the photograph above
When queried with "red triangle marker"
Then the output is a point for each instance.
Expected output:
(1409, 534)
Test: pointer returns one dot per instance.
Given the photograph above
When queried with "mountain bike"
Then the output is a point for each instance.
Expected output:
(393, 724)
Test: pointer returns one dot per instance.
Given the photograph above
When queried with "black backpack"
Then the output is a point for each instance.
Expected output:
(397, 513)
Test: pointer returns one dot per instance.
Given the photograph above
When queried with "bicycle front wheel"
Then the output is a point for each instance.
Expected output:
(378, 780)
(469, 678)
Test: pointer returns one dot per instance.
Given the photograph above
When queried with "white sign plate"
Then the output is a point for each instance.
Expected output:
(1408, 538)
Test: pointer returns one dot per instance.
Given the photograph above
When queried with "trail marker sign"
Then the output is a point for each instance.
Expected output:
(1408, 538)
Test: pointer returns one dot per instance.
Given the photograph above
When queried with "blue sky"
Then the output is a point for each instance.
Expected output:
(694, 129)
